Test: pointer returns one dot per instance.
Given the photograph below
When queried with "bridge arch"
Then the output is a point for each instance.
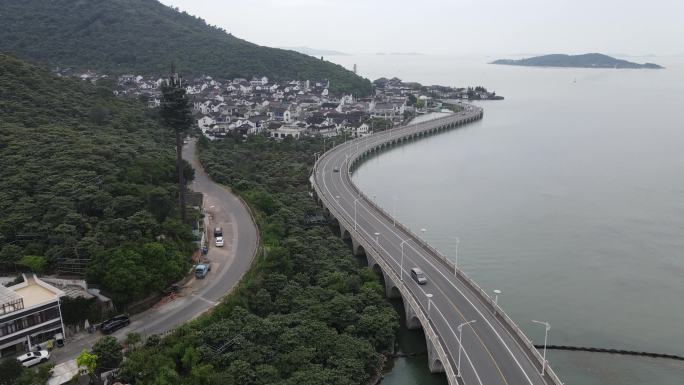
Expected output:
(358, 250)
(344, 233)
(393, 292)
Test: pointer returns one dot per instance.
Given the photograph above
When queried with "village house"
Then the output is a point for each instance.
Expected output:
(287, 132)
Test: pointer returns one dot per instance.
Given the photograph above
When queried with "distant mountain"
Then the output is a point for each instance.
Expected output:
(145, 37)
(315, 51)
(400, 53)
(590, 60)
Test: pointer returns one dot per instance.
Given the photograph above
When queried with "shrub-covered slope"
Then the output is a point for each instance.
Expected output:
(145, 37)
(86, 175)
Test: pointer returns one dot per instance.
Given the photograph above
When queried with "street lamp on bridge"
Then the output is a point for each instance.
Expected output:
(394, 211)
(401, 266)
(429, 297)
(496, 299)
(547, 327)
(355, 200)
(456, 256)
(460, 345)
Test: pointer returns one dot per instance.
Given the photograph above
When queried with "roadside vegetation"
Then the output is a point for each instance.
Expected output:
(88, 178)
(306, 313)
(13, 373)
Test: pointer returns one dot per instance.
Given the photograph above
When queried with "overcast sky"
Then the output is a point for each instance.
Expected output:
(453, 26)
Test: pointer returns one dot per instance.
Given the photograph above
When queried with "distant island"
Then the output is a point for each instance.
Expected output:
(315, 51)
(589, 60)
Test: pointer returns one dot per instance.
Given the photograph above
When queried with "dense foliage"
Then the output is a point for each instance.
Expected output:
(144, 37)
(109, 354)
(13, 373)
(307, 313)
(86, 176)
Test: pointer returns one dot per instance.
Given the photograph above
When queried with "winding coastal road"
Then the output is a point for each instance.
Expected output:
(495, 352)
(229, 263)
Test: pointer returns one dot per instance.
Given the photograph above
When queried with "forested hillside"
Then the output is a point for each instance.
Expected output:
(145, 37)
(86, 175)
(307, 312)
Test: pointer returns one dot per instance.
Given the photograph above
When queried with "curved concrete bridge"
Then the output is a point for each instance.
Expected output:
(495, 350)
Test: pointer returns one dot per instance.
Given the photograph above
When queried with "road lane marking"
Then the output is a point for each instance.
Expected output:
(419, 254)
(464, 349)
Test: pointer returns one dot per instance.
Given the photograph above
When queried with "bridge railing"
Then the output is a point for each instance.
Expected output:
(410, 130)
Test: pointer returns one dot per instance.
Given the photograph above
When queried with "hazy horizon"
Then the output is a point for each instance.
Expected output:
(485, 27)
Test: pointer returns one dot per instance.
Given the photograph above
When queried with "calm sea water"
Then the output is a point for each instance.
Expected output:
(568, 196)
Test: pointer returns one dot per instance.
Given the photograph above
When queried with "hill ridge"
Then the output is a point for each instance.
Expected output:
(145, 37)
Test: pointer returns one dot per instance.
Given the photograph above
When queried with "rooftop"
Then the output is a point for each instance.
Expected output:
(31, 292)
(34, 293)
(9, 300)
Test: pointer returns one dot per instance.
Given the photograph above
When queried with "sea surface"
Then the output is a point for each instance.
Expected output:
(568, 196)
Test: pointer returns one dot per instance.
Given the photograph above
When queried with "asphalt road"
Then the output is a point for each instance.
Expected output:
(228, 264)
(491, 355)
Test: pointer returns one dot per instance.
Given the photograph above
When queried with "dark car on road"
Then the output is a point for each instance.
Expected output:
(115, 323)
(418, 276)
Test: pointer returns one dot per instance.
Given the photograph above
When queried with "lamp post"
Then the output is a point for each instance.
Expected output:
(547, 327)
(422, 233)
(496, 299)
(429, 297)
(460, 345)
(456, 256)
(394, 212)
(355, 200)
(401, 266)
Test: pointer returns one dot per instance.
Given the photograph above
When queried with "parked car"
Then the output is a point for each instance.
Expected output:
(115, 323)
(201, 270)
(32, 358)
(219, 241)
(336, 169)
(218, 232)
(418, 276)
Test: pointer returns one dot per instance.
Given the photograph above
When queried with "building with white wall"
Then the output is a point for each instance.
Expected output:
(30, 314)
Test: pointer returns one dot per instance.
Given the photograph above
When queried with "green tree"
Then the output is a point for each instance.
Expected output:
(412, 100)
(87, 361)
(35, 263)
(10, 370)
(132, 339)
(109, 353)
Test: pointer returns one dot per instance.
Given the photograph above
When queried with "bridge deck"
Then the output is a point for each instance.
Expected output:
(495, 351)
